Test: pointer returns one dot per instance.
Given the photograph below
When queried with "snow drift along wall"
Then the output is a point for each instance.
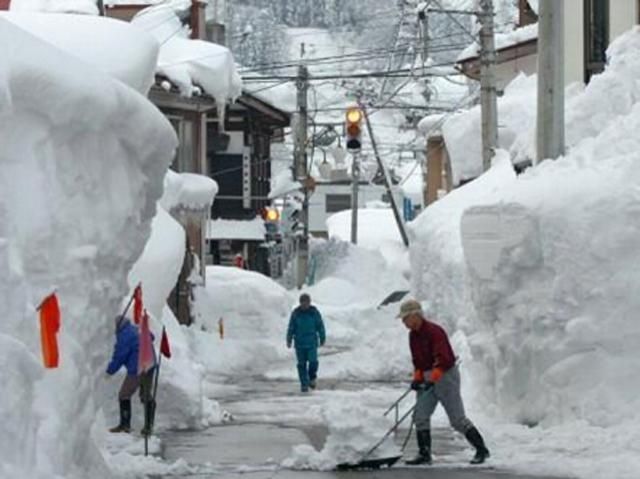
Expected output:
(546, 284)
(82, 158)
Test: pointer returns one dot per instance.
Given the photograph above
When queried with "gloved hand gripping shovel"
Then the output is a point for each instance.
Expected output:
(375, 463)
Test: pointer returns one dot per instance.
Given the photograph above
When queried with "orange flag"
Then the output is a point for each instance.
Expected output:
(137, 304)
(49, 327)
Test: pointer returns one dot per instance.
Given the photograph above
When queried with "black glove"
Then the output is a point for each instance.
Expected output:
(416, 385)
(421, 386)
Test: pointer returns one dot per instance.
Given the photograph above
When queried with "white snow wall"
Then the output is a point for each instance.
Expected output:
(541, 275)
(82, 159)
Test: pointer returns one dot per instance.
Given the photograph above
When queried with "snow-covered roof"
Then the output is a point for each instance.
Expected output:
(114, 47)
(56, 6)
(283, 184)
(249, 230)
(189, 64)
(503, 40)
(188, 191)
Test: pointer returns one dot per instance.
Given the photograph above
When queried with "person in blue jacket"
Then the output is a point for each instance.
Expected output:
(306, 330)
(125, 353)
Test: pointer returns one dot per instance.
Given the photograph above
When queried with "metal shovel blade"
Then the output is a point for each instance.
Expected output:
(376, 463)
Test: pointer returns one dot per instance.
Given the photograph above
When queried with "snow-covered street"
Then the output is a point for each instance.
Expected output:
(235, 233)
(271, 420)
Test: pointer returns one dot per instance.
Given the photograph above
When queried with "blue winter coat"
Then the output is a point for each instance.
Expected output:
(125, 351)
(306, 328)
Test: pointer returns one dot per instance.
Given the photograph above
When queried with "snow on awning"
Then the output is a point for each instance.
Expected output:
(247, 230)
(188, 191)
(503, 41)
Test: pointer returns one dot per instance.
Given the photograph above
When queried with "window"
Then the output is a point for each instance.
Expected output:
(335, 203)
(596, 36)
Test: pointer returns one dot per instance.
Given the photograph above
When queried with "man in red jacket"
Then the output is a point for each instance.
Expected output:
(436, 379)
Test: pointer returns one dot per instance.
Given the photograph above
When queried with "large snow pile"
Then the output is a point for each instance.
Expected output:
(377, 230)
(549, 264)
(77, 195)
(114, 47)
(254, 313)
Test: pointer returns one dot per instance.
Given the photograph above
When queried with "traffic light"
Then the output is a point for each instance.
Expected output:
(353, 129)
(271, 217)
(271, 214)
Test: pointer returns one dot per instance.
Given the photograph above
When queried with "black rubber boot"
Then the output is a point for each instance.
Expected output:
(424, 448)
(475, 439)
(149, 415)
(125, 417)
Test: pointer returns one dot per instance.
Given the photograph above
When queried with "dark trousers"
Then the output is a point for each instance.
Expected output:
(132, 383)
(307, 365)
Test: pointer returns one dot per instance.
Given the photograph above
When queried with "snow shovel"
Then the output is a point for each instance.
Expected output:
(376, 463)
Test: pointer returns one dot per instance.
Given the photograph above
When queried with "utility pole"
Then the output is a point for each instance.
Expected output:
(387, 180)
(301, 173)
(488, 91)
(550, 120)
(423, 17)
(355, 178)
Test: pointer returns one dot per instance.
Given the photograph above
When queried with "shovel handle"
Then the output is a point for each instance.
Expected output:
(404, 395)
(393, 428)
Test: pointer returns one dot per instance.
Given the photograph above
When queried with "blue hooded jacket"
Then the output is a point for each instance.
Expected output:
(125, 351)
(306, 328)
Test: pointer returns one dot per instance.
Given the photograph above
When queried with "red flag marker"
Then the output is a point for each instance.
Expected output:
(137, 304)
(165, 349)
(49, 328)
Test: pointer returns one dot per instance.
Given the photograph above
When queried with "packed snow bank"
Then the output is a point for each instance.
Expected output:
(77, 195)
(353, 430)
(438, 277)
(377, 230)
(190, 64)
(254, 311)
(182, 402)
(549, 274)
(114, 47)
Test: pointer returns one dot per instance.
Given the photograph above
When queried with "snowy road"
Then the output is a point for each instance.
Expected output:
(269, 420)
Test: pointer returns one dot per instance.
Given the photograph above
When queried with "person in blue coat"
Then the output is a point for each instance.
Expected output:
(306, 330)
(125, 353)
